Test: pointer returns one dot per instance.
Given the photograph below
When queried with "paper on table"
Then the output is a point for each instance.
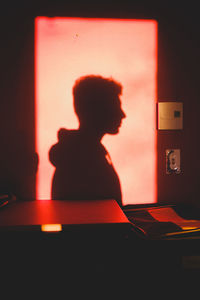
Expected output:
(167, 214)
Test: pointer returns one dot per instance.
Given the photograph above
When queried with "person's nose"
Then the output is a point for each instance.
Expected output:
(123, 115)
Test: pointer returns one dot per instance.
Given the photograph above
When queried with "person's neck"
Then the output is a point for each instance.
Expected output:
(91, 133)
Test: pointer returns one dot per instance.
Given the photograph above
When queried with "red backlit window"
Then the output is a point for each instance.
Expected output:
(126, 50)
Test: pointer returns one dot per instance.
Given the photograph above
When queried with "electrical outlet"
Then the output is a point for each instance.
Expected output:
(173, 161)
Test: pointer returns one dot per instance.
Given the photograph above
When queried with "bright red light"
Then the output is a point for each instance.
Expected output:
(67, 48)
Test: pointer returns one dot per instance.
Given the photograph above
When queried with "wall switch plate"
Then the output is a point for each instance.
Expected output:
(173, 161)
(170, 115)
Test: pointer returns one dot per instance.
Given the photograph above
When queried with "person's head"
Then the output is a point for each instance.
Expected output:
(97, 103)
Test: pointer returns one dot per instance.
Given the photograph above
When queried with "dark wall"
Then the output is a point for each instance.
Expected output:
(178, 66)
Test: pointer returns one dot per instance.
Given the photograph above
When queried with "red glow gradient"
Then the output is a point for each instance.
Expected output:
(67, 48)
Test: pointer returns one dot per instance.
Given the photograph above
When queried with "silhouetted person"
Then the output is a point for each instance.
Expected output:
(84, 170)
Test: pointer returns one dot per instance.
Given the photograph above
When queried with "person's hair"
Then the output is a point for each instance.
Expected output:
(92, 94)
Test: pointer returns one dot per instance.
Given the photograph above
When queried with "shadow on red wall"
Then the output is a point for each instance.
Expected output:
(84, 170)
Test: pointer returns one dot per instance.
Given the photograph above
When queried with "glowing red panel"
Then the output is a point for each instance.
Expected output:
(68, 48)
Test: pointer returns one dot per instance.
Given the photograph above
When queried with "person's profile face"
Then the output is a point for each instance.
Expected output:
(112, 115)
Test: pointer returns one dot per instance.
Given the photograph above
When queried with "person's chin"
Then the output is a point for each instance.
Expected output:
(114, 130)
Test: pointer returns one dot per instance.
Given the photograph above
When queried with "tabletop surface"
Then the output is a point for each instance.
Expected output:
(39, 212)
